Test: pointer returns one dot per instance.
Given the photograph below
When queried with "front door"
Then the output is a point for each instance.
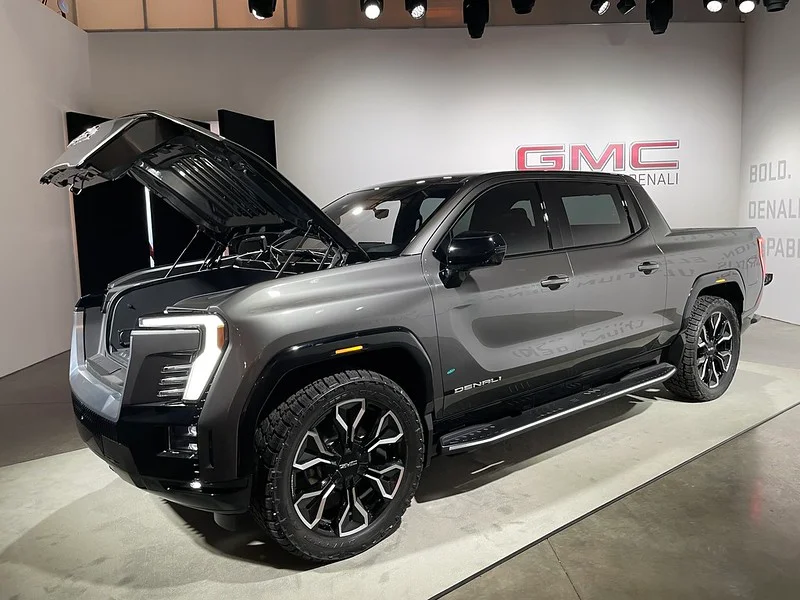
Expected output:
(507, 329)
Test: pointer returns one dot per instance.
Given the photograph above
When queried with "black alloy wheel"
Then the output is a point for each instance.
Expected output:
(714, 349)
(707, 352)
(348, 468)
(338, 463)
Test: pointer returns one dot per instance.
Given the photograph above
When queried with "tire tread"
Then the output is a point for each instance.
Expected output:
(684, 383)
(273, 434)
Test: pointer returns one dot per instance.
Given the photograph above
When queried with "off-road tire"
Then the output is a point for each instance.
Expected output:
(686, 384)
(276, 442)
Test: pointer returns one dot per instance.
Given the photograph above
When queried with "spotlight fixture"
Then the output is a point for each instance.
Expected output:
(714, 6)
(775, 5)
(746, 6)
(600, 6)
(626, 6)
(659, 14)
(476, 16)
(262, 9)
(522, 7)
(372, 9)
(417, 8)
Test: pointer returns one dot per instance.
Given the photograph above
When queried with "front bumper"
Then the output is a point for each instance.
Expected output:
(135, 448)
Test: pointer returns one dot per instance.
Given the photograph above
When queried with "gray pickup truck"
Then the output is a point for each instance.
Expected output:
(310, 366)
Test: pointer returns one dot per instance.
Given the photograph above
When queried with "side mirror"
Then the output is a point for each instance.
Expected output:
(470, 250)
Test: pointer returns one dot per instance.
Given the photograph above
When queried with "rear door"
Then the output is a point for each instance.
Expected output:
(503, 333)
(619, 279)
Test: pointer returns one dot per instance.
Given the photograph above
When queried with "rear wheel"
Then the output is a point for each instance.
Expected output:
(338, 464)
(710, 353)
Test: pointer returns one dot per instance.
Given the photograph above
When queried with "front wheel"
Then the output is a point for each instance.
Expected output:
(710, 352)
(338, 464)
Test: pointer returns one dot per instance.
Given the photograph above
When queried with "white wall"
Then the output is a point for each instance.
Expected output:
(44, 69)
(771, 135)
(358, 107)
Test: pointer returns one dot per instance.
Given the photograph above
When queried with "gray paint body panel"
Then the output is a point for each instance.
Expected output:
(500, 326)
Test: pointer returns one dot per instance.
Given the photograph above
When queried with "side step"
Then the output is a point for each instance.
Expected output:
(507, 427)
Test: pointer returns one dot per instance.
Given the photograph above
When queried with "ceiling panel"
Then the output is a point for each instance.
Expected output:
(445, 13)
(180, 14)
(233, 14)
(99, 15)
(346, 14)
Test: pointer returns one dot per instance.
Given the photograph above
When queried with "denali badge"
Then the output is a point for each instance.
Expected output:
(477, 384)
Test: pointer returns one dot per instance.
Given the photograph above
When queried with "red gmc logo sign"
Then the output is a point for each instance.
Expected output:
(637, 156)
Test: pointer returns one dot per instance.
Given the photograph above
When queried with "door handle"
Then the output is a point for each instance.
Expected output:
(555, 281)
(648, 267)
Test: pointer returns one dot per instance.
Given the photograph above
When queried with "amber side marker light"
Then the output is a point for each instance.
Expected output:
(349, 349)
(720, 280)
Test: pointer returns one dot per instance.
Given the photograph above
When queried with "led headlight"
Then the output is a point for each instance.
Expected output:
(206, 361)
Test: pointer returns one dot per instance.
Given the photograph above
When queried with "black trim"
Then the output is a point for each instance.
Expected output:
(321, 351)
(134, 448)
(707, 280)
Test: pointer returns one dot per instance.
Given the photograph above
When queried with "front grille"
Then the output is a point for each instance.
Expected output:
(93, 422)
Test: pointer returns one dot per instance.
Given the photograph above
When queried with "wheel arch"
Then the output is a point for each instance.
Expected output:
(394, 353)
(727, 284)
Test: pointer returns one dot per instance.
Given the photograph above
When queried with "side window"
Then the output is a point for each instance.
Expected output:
(595, 213)
(514, 211)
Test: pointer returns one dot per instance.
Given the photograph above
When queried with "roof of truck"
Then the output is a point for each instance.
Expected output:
(465, 177)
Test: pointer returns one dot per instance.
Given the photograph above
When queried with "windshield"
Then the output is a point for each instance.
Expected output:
(384, 220)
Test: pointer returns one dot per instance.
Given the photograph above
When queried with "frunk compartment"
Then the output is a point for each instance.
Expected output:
(153, 296)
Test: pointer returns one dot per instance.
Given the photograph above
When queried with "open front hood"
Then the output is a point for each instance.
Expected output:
(217, 184)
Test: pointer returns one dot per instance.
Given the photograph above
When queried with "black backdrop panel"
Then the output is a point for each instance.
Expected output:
(172, 231)
(110, 224)
(253, 133)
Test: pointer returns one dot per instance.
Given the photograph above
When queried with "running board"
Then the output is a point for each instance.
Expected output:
(507, 427)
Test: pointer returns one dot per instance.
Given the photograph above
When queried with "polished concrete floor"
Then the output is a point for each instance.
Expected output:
(724, 525)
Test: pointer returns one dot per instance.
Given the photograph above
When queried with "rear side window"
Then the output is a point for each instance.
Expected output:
(593, 213)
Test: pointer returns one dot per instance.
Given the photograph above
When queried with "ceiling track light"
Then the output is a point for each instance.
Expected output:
(372, 9)
(600, 6)
(417, 8)
(746, 6)
(476, 16)
(262, 9)
(714, 6)
(626, 6)
(659, 14)
(775, 5)
(522, 7)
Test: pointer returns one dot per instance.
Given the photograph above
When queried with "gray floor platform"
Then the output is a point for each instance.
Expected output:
(73, 530)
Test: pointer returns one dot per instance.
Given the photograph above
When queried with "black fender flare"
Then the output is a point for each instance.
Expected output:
(283, 363)
(707, 280)
(702, 283)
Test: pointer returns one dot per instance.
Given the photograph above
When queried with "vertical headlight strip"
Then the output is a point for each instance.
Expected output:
(211, 346)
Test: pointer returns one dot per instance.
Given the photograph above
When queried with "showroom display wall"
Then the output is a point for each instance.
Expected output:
(45, 70)
(771, 153)
(353, 108)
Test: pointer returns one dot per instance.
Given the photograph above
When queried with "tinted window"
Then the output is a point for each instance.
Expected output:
(594, 212)
(514, 211)
(383, 221)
